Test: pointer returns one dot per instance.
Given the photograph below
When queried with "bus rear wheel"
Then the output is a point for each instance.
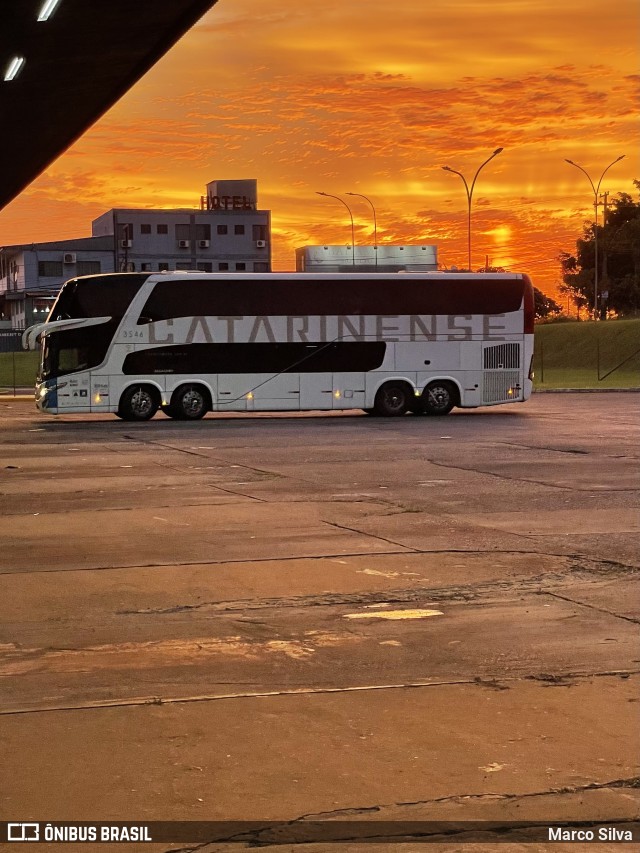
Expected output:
(392, 400)
(138, 403)
(438, 398)
(189, 403)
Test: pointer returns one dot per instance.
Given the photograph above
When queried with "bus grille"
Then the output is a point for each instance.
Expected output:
(500, 386)
(502, 356)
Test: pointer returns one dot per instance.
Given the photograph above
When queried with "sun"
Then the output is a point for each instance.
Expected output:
(501, 234)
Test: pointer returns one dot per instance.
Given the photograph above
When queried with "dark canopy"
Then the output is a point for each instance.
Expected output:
(78, 64)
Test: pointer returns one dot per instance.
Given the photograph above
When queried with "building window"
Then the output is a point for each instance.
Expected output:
(162, 229)
(145, 229)
(222, 229)
(145, 267)
(203, 232)
(261, 266)
(183, 265)
(50, 269)
(182, 232)
(238, 229)
(163, 267)
(241, 267)
(259, 232)
(42, 306)
(223, 267)
(88, 267)
(205, 266)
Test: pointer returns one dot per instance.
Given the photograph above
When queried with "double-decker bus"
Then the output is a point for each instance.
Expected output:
(189, 343)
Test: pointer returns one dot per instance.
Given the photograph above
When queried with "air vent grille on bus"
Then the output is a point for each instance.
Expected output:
(502, 356)
(500, 386)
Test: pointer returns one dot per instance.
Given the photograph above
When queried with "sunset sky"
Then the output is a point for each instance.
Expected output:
(372, 97)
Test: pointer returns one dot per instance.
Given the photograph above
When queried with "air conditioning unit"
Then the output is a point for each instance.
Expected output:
(126, 244)
(261, 244)
(69, 258)
(203, 244)
(184, 244)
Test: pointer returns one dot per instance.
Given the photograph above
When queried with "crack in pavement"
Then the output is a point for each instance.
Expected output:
(456, 593)
(633, 619)
(616, 565)
(370, 535)
(544, 678)
(545, 483)
(631, 782)
(190, 452)
(270, 833)
(546, 447)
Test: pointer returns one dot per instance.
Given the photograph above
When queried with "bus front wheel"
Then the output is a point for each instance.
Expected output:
(138, 403)
(438, 398)
(190, 403)
(392, 400)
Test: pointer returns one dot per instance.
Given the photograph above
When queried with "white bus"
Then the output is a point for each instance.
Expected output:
(189, 343)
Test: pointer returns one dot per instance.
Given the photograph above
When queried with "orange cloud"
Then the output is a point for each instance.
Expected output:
(372, 98)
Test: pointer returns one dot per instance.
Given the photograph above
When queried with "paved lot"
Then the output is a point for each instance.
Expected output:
(276, 617)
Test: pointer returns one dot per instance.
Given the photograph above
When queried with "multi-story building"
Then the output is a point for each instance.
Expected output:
(226, 233)
(31, 275)
(382, 258)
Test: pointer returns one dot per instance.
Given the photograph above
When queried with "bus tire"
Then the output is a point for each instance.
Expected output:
(138, 403)
(439, 398)
(392, 400)
(190, 403)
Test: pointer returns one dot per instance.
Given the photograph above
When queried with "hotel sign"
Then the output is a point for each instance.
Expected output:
(230, 202)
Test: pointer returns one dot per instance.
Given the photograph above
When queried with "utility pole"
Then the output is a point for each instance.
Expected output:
(604, 295)
(596, 192)
(469, 192)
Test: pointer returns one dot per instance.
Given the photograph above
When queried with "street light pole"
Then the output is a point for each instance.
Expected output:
(596, 191)
(375, 225)
(353, 238)
(469, 192)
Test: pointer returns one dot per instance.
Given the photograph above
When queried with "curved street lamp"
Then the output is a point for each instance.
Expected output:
(375, 224)
(353, 239)
(596, 190)
(469, 197)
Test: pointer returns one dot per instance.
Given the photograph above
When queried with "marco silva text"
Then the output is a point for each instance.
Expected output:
(596, 833)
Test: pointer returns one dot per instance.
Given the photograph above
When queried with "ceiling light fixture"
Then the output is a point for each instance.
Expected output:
(14, 68)
(48, 8)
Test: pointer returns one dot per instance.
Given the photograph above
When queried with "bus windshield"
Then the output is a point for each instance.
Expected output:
(70, 350)
(97, 296)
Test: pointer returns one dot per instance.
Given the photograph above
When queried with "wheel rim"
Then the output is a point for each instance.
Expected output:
(394, 399)
(438, 397)
(141, 403)
(192, 402)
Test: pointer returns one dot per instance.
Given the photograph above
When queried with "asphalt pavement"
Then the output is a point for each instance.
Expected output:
(372, 623)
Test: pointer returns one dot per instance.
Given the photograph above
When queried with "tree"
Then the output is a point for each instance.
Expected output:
(618, 260)
(545, 306)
